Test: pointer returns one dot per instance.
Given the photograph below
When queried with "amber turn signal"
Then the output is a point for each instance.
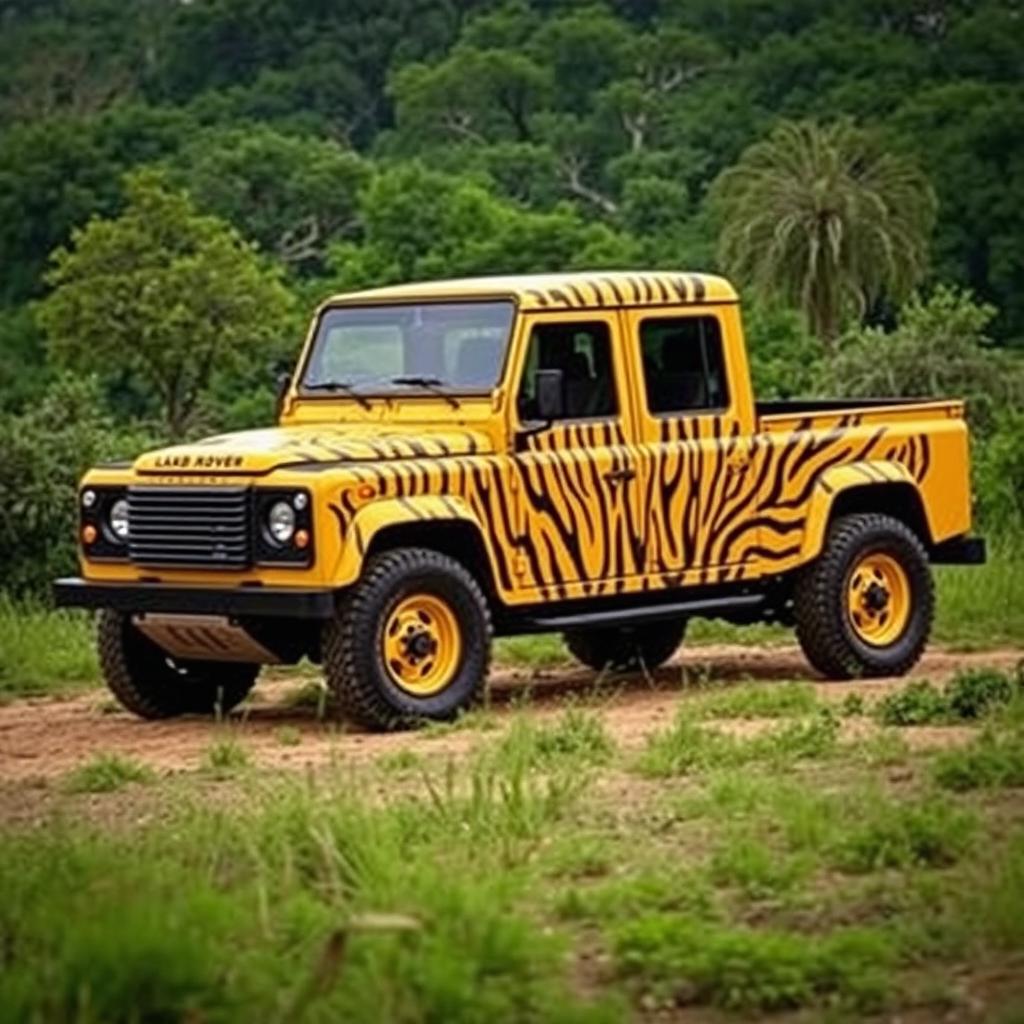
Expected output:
(301, 539)
(88, 533)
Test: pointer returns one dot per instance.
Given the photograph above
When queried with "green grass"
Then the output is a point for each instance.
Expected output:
(529, 879)
(313, 906)
(44, 652)
(982, 605)
(105, 773)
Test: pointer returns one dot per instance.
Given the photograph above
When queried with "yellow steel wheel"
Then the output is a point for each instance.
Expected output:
(878, 599)
(421, 644)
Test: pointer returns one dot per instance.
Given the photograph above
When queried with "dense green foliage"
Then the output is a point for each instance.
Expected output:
(833, 156)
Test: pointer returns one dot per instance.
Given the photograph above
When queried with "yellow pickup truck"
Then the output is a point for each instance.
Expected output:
(575, 453)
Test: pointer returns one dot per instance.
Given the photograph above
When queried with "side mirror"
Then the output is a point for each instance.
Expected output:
(550, 391)
(283, 383)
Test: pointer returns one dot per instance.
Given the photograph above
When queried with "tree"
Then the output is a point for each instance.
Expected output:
(824, 218)
(164, 293)
(939, 349)
(292, 194)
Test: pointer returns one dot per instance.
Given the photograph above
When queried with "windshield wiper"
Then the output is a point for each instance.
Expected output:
(339, 385)
(433, 384)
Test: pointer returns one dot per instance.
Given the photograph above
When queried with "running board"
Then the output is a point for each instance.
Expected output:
(650, 613)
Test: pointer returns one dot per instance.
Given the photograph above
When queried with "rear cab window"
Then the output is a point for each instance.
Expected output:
(683, 365)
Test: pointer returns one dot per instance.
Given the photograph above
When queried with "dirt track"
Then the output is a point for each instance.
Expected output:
(43, 739)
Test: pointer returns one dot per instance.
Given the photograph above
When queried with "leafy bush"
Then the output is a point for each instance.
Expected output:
(973, 693)
(43, 452)
(999, 475)
(969, 695)
(938, 349)
(918, 703)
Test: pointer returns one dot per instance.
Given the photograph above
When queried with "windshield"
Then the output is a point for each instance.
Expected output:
(457, 346)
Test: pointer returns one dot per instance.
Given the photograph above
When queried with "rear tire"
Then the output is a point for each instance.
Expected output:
(411, 641)
(626, 648)
(150, 684)
(864, 608)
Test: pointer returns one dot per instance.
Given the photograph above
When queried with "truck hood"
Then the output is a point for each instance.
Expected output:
(254, 452)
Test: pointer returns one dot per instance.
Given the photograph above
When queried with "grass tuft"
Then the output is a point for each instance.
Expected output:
(578, 736)
(106, 773)
(225, 757)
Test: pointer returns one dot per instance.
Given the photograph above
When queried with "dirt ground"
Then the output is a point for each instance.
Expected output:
(43, 739)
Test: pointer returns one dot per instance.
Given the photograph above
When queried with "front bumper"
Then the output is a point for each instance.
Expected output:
(269, 602)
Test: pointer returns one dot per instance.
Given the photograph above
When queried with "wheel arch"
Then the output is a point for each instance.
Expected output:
(882, 487)
(443, 524)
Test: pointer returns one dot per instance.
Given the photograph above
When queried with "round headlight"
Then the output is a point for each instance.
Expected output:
(281, 522)
(118, 519)
(88, 499)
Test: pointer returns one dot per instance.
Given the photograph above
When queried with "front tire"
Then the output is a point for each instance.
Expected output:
(411, 641)
(150, 684)
(865, 607)
(628, 648)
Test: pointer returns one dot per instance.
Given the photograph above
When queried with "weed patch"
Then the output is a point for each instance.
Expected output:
(889, 834)
(992, 760)
(688, 746)
(750, 970)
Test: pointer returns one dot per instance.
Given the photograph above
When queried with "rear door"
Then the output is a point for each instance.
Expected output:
(575, 488)
(695, 457)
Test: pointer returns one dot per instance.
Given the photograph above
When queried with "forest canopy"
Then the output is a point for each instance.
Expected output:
(323, 145)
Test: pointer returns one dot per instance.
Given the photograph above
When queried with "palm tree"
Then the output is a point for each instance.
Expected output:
(824, 218)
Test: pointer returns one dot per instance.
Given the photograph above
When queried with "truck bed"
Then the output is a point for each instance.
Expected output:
(786, 413)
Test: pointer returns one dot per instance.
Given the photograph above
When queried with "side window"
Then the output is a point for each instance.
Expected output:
(583, 352)
(684, 366)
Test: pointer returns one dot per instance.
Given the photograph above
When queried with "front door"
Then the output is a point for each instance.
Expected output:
(575, 489)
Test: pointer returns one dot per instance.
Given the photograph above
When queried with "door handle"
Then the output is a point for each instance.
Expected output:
(615, 476)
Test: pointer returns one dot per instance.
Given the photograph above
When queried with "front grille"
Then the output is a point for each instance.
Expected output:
(200, 526)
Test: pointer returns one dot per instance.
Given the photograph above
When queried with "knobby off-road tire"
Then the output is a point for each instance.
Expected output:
(841, 634)
(627, 648)
(151, 685)
(380, 679)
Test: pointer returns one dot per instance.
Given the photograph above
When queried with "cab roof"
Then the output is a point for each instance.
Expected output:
(585, 290)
